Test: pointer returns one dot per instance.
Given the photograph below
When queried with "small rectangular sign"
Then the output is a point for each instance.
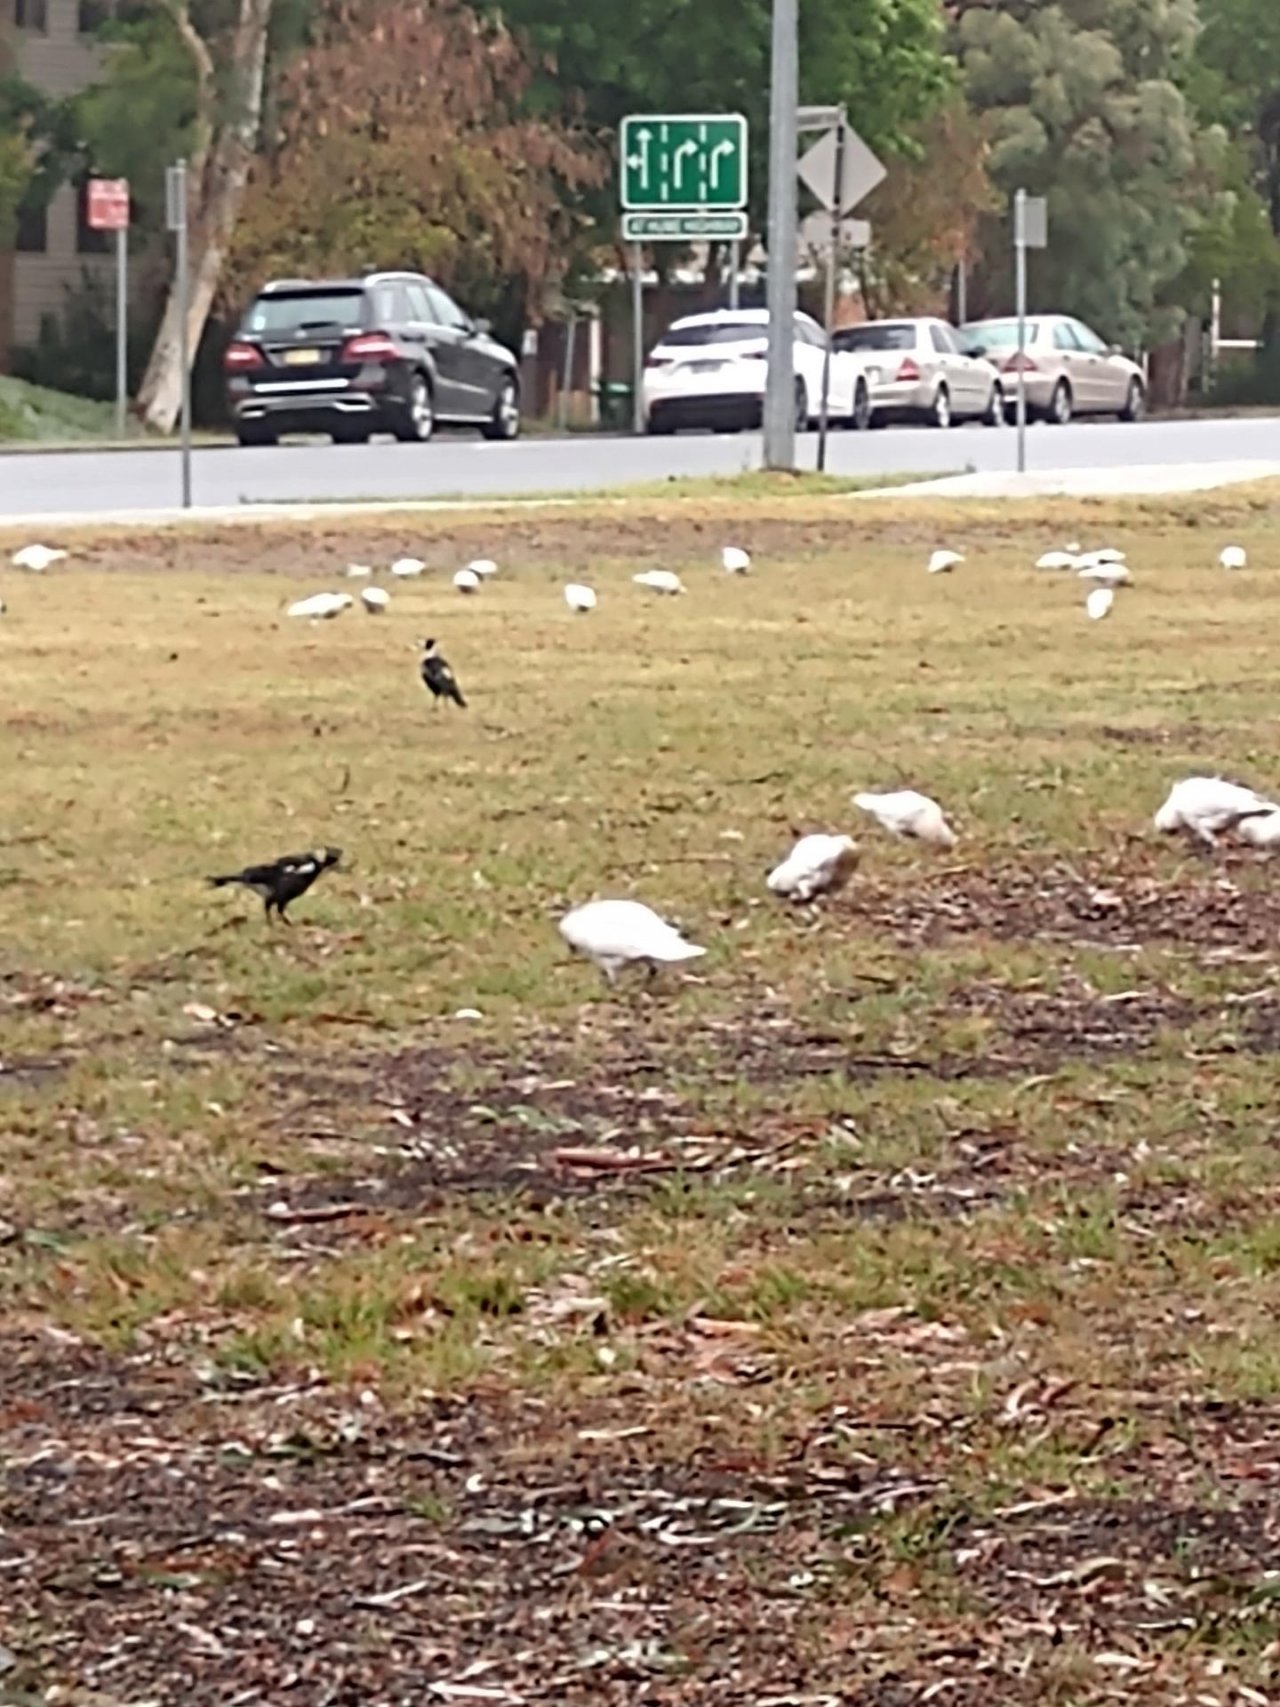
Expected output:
(682, 227)
(1032, 229)
(107, 204)
(175, 196)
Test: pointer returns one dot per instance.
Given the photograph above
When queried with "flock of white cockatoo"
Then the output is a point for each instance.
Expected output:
(614, 934)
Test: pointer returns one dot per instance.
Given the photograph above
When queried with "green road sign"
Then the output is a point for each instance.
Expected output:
(653, 227)
(691, 161)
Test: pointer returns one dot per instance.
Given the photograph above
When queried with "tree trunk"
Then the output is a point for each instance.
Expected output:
(216, 185)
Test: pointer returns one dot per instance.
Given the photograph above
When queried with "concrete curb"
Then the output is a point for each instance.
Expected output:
(236, 515)
(1152, 480)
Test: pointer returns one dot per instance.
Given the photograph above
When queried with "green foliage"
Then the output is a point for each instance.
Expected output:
(884, 57)
(16, 168)
(75, 349)
(139, 116)
(1085, 109)
(37, 143)
(30, 412)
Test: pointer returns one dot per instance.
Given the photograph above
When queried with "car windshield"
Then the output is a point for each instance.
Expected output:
(306, 311)
(998, 335)
(716, 332)
(884, 335)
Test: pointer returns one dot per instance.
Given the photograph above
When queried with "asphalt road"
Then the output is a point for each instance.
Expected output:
(85, 482)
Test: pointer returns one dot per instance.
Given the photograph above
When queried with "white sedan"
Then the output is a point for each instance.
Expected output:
(708, 370)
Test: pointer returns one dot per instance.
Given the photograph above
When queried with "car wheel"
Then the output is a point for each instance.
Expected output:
(418, 422)
(939, 414)
(254, 434)
(860, 420)
(658, 426)
(802, 407)
(504, 423)
(995, 415)
(1135, 403)
(1060, 405)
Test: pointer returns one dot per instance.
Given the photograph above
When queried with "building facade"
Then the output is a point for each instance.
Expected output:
(52, 44)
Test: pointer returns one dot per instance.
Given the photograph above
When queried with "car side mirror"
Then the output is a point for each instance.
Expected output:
(482, 328)
(977, 349)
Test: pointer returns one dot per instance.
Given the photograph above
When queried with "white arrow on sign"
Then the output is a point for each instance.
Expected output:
(640, 161)
(687, 150)
(861, 170)
(721, 151)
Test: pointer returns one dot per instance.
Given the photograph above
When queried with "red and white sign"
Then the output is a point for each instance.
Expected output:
(107, 204)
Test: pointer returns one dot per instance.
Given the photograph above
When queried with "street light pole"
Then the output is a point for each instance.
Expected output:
(779, 397)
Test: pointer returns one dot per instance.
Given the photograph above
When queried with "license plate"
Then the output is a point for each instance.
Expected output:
(705, 367)
(301, 358)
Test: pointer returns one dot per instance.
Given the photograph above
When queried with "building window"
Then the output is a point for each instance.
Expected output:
(88, 241)
(32, 15)
(32, 234)
(92, 15)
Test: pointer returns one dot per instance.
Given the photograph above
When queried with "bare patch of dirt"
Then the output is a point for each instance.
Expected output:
(168, 1540)
(1055, 902)
(547, 539)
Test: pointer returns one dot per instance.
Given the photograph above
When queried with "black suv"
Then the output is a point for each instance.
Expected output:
(387, 353)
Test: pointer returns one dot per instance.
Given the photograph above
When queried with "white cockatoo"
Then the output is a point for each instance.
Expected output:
(904, 812)
(1106, 574)
(484, 567)
(1058, 560)
(321, 606)
(816, 865)
(1099, 602)
(1206, 807)
(406, 567)
(614, 934)
(374, 600)
(580, 598)
(359, 571)
(1233, 557)
(943, 562)
(1261, 832)
(660, 581)
(37, 558)
(467, 581)
(735, 560)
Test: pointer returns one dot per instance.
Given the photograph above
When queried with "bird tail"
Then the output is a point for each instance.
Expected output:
(456, 695)
(683, 951)
(221, 882)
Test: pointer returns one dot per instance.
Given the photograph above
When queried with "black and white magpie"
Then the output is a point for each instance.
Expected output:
(281, 881)
(438, 677)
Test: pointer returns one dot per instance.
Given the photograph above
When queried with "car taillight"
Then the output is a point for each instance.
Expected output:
(907, 369)
(238, 357)
(370, 347)
(1019, 360)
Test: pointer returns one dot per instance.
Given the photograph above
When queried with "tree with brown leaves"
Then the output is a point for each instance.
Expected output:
(403, 141)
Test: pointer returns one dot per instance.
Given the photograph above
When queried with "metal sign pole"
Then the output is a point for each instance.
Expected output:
(735, 267)
(1020, 288)
(637, 338)
(184, 313)
(829, 306)
(122, 328)
(779, 397)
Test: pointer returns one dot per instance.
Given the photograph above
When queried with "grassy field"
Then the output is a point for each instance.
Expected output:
(883, 1312)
